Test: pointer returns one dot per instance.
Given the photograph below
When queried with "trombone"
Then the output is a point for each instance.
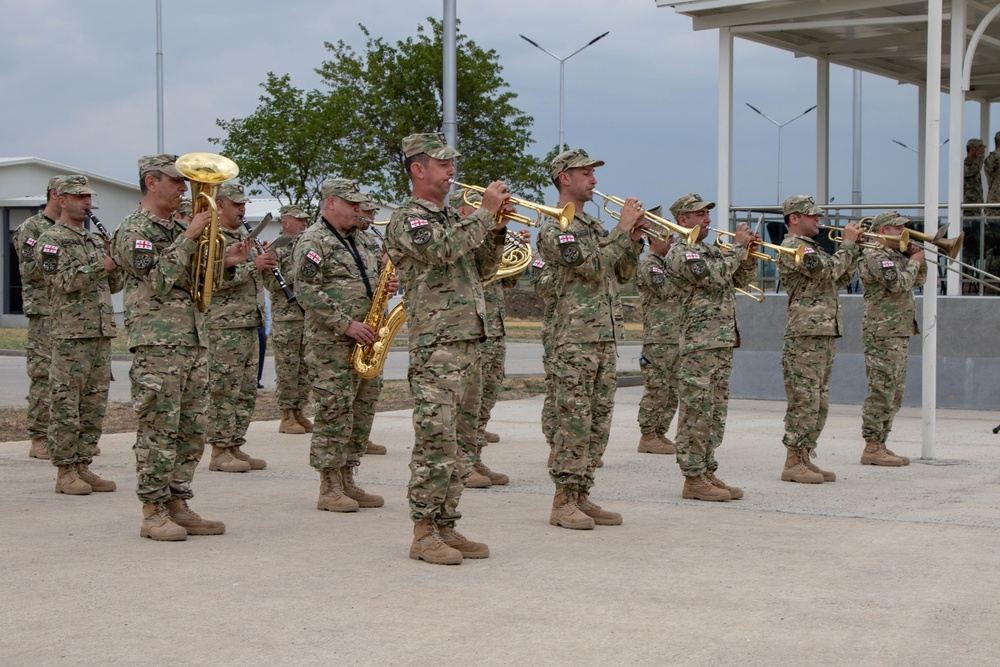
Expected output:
(662, 228)
(951, 248)
(836, 234)
(564, 215)
(795, 253)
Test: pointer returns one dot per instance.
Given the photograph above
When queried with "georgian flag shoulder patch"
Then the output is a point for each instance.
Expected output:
(888, 264)
(691, 256)
(656, 269)
(30, 241)
(50, 249)
(567, 238)
(538, 264)
(418, 223)
(143, 244)
(314, 257)
(808, 251)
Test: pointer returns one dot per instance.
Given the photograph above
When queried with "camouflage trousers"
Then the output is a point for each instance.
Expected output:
(169, 394)
(446, 382)
(38, 353)
(345, 406)
(703, 384)
(288, 341)
(806, 365)
(659, 379)
(549, 423)
(494, 353)
(79, 377)
(885, 366)
(232, 378)
(584, 375)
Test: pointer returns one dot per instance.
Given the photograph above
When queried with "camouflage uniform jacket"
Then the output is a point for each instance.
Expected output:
(813, 303)
(330, 285)
(541, 283)
(586, 266)
(704, 277)
(888, 277)
(992, 169)
(156, 256)
(661, 306)
(442, 262)
(973, 193)
(281, 309)
(33, 295)
(79, 287)
(238, 303)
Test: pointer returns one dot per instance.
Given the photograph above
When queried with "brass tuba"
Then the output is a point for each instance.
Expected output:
(206, 172)
(368, 360)
(516, 258)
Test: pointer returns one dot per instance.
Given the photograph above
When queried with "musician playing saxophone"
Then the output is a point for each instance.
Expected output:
(335, 276)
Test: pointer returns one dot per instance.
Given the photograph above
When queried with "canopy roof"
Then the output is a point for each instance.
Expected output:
(885, 37)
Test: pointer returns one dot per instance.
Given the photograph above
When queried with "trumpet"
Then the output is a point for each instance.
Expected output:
(564, 215)
(836, 234)
(663, 228)
(795, 253)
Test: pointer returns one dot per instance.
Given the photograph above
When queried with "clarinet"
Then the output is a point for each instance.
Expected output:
(275, 271)
(101, 228)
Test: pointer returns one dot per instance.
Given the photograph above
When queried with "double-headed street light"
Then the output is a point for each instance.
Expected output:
(562, 79)
(780, 126)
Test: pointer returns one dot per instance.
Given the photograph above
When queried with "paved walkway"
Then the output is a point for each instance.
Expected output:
(883, 567)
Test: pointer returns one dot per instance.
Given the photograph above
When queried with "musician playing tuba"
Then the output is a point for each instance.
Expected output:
(335, 278)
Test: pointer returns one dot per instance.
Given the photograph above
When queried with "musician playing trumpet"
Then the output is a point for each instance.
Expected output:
(889, 274)
(814, 322)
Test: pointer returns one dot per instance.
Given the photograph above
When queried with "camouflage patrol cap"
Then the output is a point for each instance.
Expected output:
(293, 211)
(457, 198)
(185, 208)
(888, 219)
(996, 137)
(803, 204)
(571, 159)
(75, 184)
(433, 143)
(233, 192)
(54, 182)
(344, 188)
(369, 204)
(656, 210)
(163, 163)
(689, 204)
(972, 143)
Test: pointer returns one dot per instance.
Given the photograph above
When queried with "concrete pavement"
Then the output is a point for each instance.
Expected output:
(882, 567)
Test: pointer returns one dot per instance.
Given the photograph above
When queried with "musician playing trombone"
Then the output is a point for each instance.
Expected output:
(814, 322)
(888, 276)
(704, 276)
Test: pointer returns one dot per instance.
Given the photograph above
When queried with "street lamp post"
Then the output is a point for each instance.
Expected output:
(562, 79)
(781, 127)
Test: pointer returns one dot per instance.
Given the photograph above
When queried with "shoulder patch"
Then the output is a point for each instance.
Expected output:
(808, 250)
(566, 238)
(538, 264)
(314, 257)
(30, 241)
(692, 256)
(418, 223)
(50, 249)
(656, 269)
(888, 263)
(143, 244)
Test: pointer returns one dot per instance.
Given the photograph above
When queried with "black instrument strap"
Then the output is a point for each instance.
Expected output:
(351, 248)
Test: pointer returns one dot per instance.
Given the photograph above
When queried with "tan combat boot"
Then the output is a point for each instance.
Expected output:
(566, 512)
(331, 493)
(302, 420)
(372, 448)
(461, 543)
(355, 492)
(39, 450)
(68, 481)
(735, 492)
(496, 478)
(157, 525)
(223, 460)
(255, 464)
(796, 470)
(904, 459)
(191, 521)
(807, 456)
(600, 516)
(96, 483)
(652, 443)
(491, 437)
(428, 546)
(477, 480)
(701, 488)
(875, 454)
(289, 424)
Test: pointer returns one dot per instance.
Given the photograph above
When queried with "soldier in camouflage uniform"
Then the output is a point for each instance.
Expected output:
(166, 331)
(371, 388)
(288, 327)
(660, 350)
(975, 156)
(704, 277)
(35, 302)
(336, 275)
(442, 262)
(992, 169)
(494, 353)
(541, 283)
(237, 311)
(888, 276)
(814, 323)
(586, 264)
(80, 277)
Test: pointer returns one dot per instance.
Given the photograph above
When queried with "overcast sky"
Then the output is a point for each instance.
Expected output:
(79, 79)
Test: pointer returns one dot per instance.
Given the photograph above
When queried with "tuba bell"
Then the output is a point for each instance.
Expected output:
(206, 172)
